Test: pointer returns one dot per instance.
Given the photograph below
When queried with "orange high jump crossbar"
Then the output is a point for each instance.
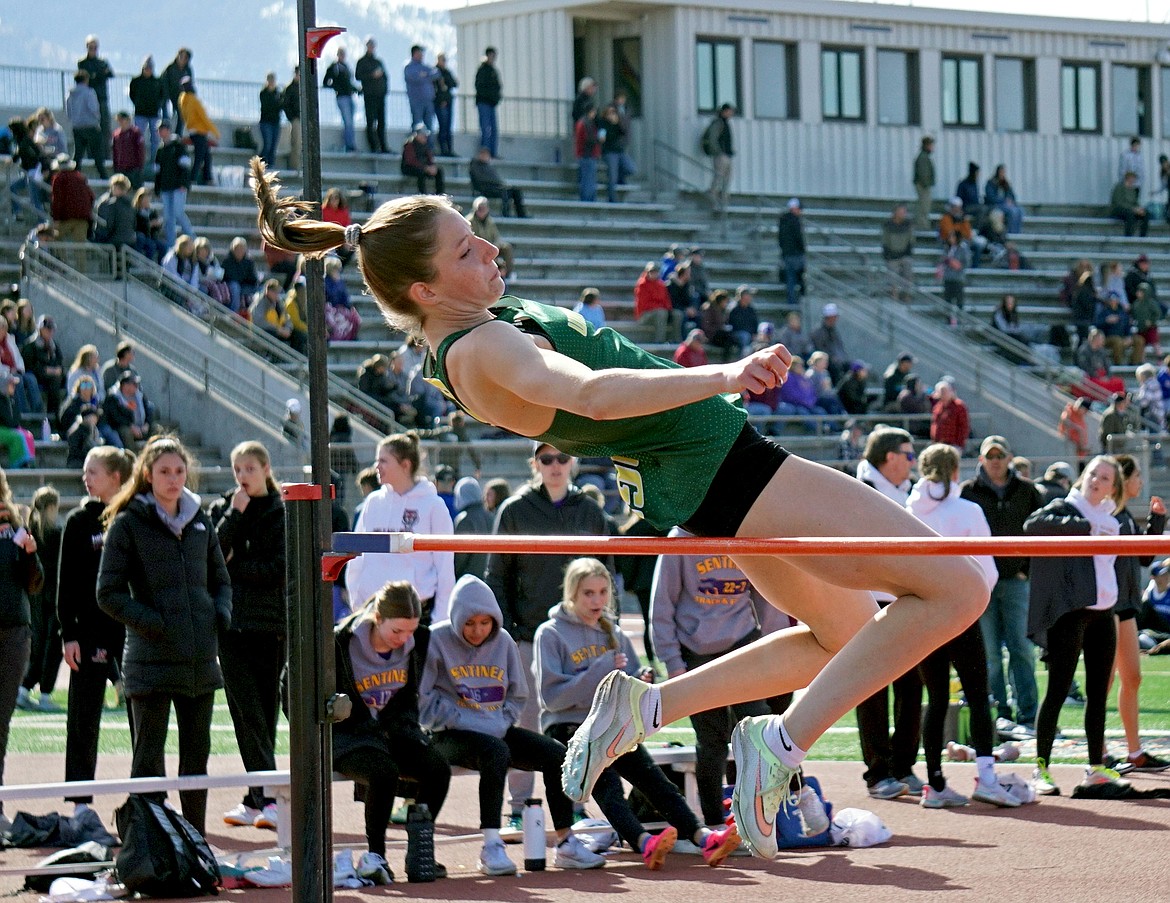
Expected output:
(347, 545)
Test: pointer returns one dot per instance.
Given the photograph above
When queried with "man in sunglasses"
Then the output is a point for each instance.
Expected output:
(1007, 499)
(889, 760)
(527, 585)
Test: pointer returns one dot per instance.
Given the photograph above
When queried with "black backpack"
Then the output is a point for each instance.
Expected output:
(162, 854)
(709, 143)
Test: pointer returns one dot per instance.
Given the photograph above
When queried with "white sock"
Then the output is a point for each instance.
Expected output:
(986, 766)
(491, 835)
(781, 743)
(651, 706)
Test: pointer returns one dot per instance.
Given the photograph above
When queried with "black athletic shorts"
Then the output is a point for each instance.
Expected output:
(750, 464)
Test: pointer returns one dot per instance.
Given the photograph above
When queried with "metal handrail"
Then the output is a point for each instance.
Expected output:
(663, 149)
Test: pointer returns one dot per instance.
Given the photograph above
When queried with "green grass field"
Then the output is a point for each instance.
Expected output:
(35, 732)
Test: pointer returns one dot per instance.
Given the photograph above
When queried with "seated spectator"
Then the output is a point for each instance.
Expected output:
(1006, 319)
(1124, 205)
(85, 363)
(589, 307)
(1139, 272)
(1144, 314)
(113, 369)
(418, 160)
(128, 413)
(818, 371)
(487, 181)
(24, 325)
(713, 317)
(239, 273)
(44, 360)
(1078, 292)
(682, 298)
(998, 194)
(765, 336)
(1113, 280)
(827, 338)
(1118, 421)
(967, 191)
(374, 380)
(851, 443)
(652, 304)
(211, 274)
(180, 262)
(800, 394)
(793, 337)
(674, 256)
(81, 435)
(84, 392)
(49, 135)
(27, 393)
(914, 400)
(767, 404)
(483, 226)
(852, 389)
(699, 281)
(296, 306)
(950, 424)
(742, 318)
(268, 312)
(342, 321)
(894, 379)
(335, 209)
(15, 440)
(1113, 322)
(690, 352)
(280, 263)
(1149, 398)
(148, 225)
(1093, 358)
(115, 213)
(955, 221)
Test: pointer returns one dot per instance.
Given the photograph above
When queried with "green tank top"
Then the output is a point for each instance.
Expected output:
(665, 462)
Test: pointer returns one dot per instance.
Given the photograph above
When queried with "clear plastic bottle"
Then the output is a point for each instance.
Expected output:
(420, 844)
(534, 846)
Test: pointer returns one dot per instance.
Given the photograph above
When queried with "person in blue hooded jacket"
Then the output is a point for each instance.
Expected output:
(473, 690)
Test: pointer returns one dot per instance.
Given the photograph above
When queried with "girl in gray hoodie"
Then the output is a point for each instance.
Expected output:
(573, 651)
(472, 691)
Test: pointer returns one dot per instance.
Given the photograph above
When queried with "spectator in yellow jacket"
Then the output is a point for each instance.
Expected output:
(200, 129)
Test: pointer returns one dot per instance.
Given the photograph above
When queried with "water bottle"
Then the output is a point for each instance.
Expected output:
(534, 848)
(420, 844)
(46, 431)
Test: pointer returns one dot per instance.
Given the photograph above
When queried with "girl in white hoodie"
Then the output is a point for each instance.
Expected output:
(409, 503)
(935, 501)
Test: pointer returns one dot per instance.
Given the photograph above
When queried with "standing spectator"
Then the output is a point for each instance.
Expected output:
(487, 181)
(1125, 205)
(172, 80)
(474, 518)
(93, 642)
(407, 501)
(163, 576)
(44, 360)
(340, 79)
(827, 338)
(172, 178)
(1133, 161)
(717, 145)
(690, 351)
(898, 253)
(117, 221)
(148, 98)
(271, 104)
(792, 251)
(418, 160)
(853, 390)
(99, 73)
(586, 97)
(742, 318)
(291, 104)
(239, 272)
(1074, 429)
(483, 226)
(371, 74)
(886, 465)
(953, 265)
(420, 88)
(129, 151)
(998, 194)
(551, 504)
(249, 521)
(652, 304)
(1007, 501)
(71, 201)
(587, 141)
(923, 182)
(200, 129)
(487, 97)
(20, 574)
(84, 112)
(950, 424)
(445, 85)
(618, 164)
(45, 658)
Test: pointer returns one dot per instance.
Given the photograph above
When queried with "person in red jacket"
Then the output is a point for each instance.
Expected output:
(129, 150)
(418, 160)
(652, 303)
(71, 200)
(690, 352)
(587, 140)
(950, 423)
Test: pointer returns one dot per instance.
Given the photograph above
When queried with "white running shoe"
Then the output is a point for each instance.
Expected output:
(493, 859)
(812, 812)
(267, 817)
(613, 728)
(761, 786)
(277, 874)
(572, 854)
(343, 869)
(373, 867)
(241, 815)
(941, 799)
(995, 794)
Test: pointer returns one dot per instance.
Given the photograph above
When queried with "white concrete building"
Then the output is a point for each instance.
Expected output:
(834, 97)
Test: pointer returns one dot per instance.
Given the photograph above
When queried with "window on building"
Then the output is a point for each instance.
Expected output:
(717, 67)
(1164, 76)
(897, 87)
(1080, 97)
(775, 80)
(1131, 100)
(627, 72)
(1015, 95)
(962, 91)
(842, 83)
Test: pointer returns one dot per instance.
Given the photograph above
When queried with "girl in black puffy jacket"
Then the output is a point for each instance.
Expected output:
(163, 576)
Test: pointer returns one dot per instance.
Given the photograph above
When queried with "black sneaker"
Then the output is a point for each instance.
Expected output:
(1146, 762)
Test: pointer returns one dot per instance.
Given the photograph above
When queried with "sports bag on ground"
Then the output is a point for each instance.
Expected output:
(162, 854)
